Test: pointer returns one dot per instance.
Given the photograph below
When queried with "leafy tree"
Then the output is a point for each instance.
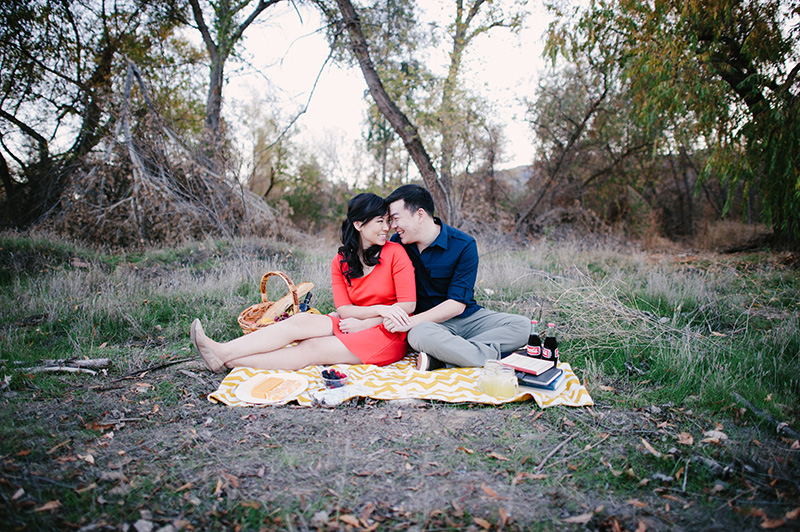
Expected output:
(227, 27)
(468, 24)
(270, 158)
(730, 67)
(591, 147)
(395, 36)
(59, 61)
(472, 19)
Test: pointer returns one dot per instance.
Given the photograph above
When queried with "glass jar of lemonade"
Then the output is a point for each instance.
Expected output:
(498, 380)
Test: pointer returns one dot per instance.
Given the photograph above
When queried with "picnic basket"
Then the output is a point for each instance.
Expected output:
(263, 314)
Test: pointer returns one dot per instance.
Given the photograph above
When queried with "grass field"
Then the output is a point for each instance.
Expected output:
(693, 360)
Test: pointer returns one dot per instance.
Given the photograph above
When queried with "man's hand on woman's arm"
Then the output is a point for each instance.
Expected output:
(441, 312)
(355, 319)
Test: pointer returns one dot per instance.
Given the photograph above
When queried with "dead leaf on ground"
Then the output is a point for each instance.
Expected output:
(49, 506)
(482, 523)
(234, 481)
(641, 527)
(468, 451)
(606, 463)
(524, 475)
(650, 448)
(772, 523)
(503, 516)
(255, 505)
(84, 489)
(54, 449)
(684, 438)
(637, 503)
(714, 436)
(498, 456)
(143, 525)
(794, 515)
(491, 493)
(350, 520)
(672, 498)
(581, 519)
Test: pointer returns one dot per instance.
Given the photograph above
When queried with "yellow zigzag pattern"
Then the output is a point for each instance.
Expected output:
(401, 381)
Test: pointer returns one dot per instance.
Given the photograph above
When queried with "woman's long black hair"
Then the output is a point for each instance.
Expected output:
(361, 208)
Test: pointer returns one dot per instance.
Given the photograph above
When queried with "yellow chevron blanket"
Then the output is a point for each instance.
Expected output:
(402, 381)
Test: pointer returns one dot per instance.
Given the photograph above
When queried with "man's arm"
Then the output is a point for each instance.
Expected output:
(445, 310)
(442, 312)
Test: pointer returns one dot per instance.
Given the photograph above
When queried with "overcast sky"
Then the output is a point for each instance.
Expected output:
(286, 56)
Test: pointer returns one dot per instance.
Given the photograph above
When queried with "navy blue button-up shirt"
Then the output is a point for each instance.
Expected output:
(447, 269)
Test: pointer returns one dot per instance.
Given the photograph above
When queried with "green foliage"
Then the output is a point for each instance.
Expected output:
(314, 202)
(720, 72)
(62, 90)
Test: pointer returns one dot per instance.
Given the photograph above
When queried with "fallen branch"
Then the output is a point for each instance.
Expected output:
(66, 365)
(139, 372)
(553, 452)
(72, 362)
(60, 369)
(780, 427)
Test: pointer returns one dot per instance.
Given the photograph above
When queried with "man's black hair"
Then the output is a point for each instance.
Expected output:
(415, 197)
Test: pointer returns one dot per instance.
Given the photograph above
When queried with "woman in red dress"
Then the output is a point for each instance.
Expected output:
(373, 284)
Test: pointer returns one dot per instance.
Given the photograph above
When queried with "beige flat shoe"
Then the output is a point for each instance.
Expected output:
(212, 362)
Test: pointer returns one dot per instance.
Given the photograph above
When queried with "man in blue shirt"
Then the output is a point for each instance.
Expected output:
(448, 326)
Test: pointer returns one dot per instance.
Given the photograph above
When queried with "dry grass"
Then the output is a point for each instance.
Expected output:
(638, 329)
(728, 233)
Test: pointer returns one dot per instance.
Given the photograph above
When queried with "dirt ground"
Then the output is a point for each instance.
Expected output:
(150, 452)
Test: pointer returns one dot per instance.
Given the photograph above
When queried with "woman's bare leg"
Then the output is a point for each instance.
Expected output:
(297, 328)
(325, 350)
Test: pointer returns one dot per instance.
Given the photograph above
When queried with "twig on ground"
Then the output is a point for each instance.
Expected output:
(134, 374)
(195, 376)
(685, 474)
(553, 452)
(781, 428)
(588, 448)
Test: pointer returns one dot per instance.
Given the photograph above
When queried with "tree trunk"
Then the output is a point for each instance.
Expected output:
(447, 117)
(407, 132)
(448, 109)
(214, 99)
(227, 36)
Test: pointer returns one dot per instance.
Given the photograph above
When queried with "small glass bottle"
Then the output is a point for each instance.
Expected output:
(550, 345)
(534, 348)
(304, 306)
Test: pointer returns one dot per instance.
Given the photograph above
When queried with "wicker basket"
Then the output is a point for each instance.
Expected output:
(263, 314)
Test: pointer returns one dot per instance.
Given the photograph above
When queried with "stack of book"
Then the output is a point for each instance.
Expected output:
(534, 372)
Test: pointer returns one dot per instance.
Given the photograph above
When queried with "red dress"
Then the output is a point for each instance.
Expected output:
(391, 281)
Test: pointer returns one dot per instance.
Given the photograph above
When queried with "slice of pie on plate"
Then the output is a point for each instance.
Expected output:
(271, 388)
